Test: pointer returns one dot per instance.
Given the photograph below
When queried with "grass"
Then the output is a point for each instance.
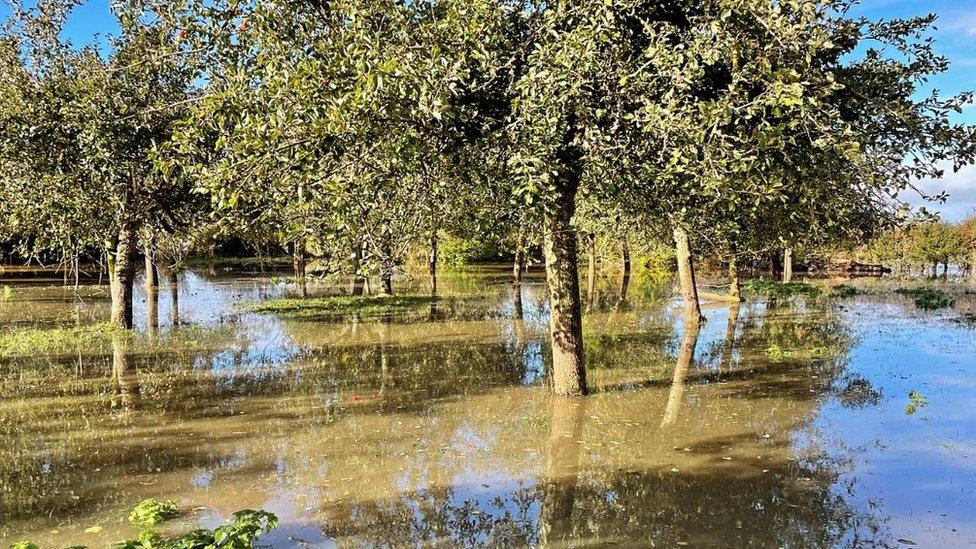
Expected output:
(778, 289)
(843, 290)
(927, 298)
(237, 262)
(32, 341)
(333, 307)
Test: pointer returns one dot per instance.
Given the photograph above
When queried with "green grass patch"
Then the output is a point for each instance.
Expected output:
(928, 298)
(779, 289)
(31, 341)
(334, 307)
(843, 290)
(238, 262)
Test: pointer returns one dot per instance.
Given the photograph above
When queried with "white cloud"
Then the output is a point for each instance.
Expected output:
(961, 187)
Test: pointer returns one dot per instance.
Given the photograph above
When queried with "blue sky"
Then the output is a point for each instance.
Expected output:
(955, 38)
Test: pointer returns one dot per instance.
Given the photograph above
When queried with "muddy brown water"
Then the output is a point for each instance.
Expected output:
(782, 424)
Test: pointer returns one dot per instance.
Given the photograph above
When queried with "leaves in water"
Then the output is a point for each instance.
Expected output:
(917, 401)
(150, 512)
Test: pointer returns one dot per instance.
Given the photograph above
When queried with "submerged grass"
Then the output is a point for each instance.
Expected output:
(778, 289)
(333, 307)
(928, 299)
(843, 290)
(33, 341)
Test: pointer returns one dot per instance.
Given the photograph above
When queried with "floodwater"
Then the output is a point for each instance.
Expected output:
(783, 423)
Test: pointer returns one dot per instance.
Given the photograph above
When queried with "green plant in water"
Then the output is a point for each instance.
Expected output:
(916, 401)
(843, 290)
(777, 289)
(241, 534)
(928, 298)
(8, 292)
(31, 341)
(775, 351)
(150, 512)
(326, 308)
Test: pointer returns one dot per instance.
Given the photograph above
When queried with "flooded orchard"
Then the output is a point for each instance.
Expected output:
(806, 421)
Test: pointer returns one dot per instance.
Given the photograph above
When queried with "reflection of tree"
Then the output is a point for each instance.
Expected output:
(816, 337)
(124, 377)
(202, 381)
(728, 345)
(790, 504)
(562, 465)
(686, 356)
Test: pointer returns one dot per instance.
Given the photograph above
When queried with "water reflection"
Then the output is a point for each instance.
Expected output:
(686, 354)
(433, 425)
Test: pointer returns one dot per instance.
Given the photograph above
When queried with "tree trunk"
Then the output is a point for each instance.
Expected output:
(432, 263)
(124, 377)
(357, 285)
(387, 288)
(518, 310)
(945, 270)
(299, 264)
(735, 287)
(625, 279)
(591, 274)
(152, 275)
(686, 275)
(388, 265)
(562, 278)
(124, 273)
(174, 293)
(152, 292)
(788, 265)
(152, 311)
(935, 269)
(518, 268)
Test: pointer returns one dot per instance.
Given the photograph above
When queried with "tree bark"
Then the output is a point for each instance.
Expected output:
(735, 287)
(562, 278)
(387, 288)
(686, 275)
(625, 279)
(152, 274)
(152, 292)
(174, 293)
(152, 311)
(388, 265)
(518, 267)
(124, 273)
(299, 264)
(432, 262)
(788, 265)
(357, 285)
(591, 268)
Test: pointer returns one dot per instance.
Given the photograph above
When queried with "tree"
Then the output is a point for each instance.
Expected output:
(97, 185)
(337, 123)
